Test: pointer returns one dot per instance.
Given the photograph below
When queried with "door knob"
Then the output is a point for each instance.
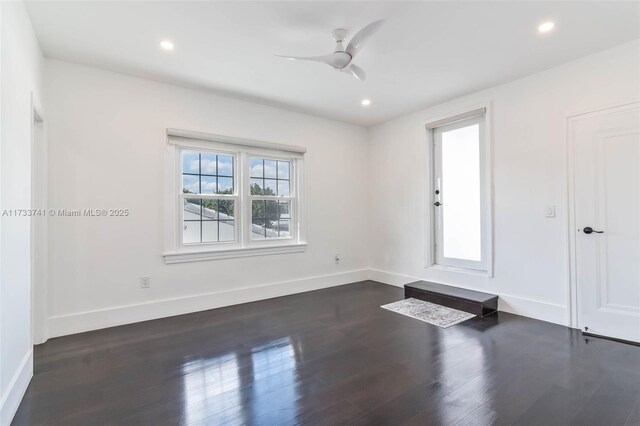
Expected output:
(589, 230)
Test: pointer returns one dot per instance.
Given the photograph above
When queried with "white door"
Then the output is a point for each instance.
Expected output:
(606, 162)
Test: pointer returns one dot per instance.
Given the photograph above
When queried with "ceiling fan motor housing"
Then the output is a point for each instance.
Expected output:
(339, 35)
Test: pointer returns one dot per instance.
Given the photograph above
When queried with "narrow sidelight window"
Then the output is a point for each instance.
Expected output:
(459, 194)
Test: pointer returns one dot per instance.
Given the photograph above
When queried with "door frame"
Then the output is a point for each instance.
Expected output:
(39, 231)
(573, 300)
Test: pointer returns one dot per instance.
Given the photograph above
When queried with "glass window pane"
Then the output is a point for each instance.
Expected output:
(201, 171)
(283, 170)
(209, 209)
(261, 228)
(283, 188)
(270, 219)
(210, 231)
(226, 231)
(190, 184)
(225, 209)
(257, 228)
(191, 209)
(270, 177)
(208, 184)
(272, 210)
(460, 193)
(225, 165)
(191, 232)
(284, 209)
(256, 169)
(272, 229)
(256, 186)
(208, 220)
(207, 163)
(190, 162)
(257, 209)
(270, 169)
(225, 185)
(270, 187)
(283, 228)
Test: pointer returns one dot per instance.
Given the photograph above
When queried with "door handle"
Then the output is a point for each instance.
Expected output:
(588, 230)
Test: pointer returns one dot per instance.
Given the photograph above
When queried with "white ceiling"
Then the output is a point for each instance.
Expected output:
(426, 53)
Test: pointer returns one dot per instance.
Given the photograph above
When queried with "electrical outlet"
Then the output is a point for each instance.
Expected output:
(145, 282)
(337, 258)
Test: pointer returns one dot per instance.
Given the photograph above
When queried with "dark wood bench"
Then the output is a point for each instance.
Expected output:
(475, 302)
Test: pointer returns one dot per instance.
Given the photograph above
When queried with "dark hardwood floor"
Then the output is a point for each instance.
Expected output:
(332, 357)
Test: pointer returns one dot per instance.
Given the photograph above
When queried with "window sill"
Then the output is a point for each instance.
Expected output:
(203, 255)
(469, 271)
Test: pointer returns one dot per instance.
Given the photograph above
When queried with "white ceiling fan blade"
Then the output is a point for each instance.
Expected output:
(326, 59)
(355, 71)
(362, 36)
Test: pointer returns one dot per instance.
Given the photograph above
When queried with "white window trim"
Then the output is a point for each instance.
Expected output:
(243, 246)
(430, 216)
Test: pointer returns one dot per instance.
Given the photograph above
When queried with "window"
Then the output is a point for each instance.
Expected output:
(459, 193)
(233, 198)
(208, 197)
(270, 185)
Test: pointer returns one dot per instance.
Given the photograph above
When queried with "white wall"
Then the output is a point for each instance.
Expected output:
(529, 172)
(20, 77)
(107, 143)
(106, 150)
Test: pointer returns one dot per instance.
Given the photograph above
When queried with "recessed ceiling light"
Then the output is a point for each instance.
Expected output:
(545, 27)
(365, 102)
(166, 45)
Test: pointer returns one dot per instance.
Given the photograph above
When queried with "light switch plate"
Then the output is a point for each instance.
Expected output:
(550, 211)
(145, 282)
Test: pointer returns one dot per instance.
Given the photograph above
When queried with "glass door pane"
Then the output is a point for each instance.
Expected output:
(458, 187)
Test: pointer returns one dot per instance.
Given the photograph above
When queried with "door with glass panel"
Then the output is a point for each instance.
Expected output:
(459, 194)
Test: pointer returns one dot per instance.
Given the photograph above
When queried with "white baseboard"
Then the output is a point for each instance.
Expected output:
(391, 278)
(94, 320)
(16, 389)
(536, 309)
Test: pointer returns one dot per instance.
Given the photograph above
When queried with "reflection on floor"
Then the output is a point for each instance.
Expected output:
(332, 357)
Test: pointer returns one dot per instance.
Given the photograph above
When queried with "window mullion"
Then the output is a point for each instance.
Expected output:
(266, 197)
(212, 196)
(245, 203)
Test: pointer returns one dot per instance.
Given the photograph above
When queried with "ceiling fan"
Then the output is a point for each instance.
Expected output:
(341, 59)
